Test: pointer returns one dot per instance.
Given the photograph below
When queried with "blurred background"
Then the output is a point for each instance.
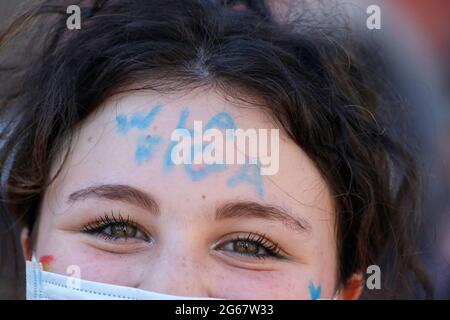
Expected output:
(414, 40)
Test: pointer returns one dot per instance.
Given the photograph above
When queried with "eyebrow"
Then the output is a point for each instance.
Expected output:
(229, 210)
(118, 192)
(250, 209)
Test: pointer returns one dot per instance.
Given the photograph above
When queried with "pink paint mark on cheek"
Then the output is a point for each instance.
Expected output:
(46, 261)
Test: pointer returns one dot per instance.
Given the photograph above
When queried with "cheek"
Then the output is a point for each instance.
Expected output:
(93, 264)
(245, 284)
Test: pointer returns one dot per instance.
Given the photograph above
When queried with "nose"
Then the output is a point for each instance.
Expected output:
(178, 274)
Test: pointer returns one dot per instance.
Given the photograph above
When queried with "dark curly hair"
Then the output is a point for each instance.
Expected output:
(314, 82)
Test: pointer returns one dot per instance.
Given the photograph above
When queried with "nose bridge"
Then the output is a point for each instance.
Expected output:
(177, 272)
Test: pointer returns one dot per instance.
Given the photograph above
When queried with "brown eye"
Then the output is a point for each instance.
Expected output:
(245, 247)
(252, 245)
(122, 230)
(111, 228)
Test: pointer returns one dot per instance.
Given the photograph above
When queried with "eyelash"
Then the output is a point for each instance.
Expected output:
(97, 226)
(272, 248)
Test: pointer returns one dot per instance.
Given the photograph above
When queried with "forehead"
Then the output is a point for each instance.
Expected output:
(128, 141)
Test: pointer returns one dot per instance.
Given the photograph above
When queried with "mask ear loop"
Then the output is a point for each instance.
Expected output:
(33, 278)
(35, 261)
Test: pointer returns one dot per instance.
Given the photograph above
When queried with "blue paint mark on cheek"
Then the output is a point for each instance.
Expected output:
(137, 120)
(314, 292)
(146, 147)
(248, 174)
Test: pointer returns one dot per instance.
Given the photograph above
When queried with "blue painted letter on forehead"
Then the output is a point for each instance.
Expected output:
(146, 143)
(138, 120)
(248, 174)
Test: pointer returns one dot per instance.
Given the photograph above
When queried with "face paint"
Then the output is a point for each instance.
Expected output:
(46, 261)
(222, 120)
(146, 148)
(146, 143)
(138, 120)
(248, 174)
(168, 163)
(196, 170)
(314, 292)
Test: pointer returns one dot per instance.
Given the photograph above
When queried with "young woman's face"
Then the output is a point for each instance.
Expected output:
(126, 215)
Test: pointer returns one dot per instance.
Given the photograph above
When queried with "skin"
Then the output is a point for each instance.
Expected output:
(184, 249)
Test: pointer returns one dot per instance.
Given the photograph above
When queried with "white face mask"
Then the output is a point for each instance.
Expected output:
(43, 285)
